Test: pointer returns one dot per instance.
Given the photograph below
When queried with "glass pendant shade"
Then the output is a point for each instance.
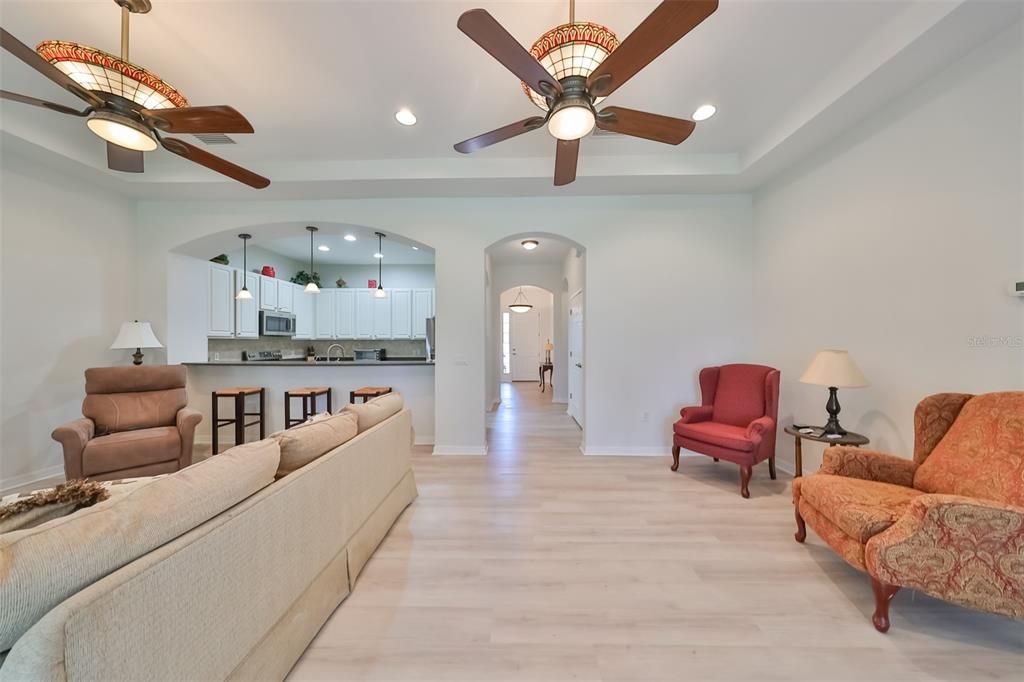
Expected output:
(520, 304)
(574, 49)
(243, 295)
(380, 293)
(122, 131)
(312, 288)
(571, 123)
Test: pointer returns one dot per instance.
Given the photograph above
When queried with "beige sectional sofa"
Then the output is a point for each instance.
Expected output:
(236, 595)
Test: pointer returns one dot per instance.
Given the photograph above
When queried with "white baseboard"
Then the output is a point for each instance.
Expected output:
(629, 451)
(9, 484)
(459, 450)
(423, 440)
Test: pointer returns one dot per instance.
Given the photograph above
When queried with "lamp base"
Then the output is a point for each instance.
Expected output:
(832, 427)
(137, 357)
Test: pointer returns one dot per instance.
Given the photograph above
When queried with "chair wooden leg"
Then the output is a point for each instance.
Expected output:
(745, 472)
(771, 467)
(715, 458)
(215, 426)
(801, 528)
(239, 419)
(263, 414)
(675, 458)
(883, 595)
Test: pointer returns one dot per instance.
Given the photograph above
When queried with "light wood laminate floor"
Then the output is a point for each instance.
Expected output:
(537, 563)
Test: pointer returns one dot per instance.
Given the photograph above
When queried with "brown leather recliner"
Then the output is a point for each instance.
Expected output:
(135, 424)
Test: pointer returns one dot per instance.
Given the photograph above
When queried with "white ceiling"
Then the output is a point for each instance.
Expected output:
(320, 81)
(550, 251)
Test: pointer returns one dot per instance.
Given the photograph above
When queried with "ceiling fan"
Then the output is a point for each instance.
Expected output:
(129, 107)
(574, 66)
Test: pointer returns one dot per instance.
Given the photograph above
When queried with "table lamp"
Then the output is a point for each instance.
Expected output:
(835, 369)
(548, 347)
(137, 335)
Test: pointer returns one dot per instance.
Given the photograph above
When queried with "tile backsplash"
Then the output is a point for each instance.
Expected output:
(231, 349)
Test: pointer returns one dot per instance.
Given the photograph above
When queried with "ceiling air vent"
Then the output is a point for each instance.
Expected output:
(213, 138)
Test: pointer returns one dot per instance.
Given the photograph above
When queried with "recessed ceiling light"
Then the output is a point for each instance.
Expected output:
(350, 237)
(378, 255)
(704, 112)
(530, 244)
(415, 248)
(405, 117)
(323, 247)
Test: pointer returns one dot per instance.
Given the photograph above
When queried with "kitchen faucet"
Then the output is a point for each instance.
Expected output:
(332, 347)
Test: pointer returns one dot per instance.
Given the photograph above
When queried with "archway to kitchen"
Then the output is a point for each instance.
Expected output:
(368, 321)
(534, 312)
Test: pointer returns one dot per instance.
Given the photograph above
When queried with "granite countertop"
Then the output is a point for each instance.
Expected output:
(298, 362)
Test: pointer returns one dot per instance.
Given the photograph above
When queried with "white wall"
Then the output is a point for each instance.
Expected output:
(68, 271)
(394, 276)
(898, 242)
(284, 267)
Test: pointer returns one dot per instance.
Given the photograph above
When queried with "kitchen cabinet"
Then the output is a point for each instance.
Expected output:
(323, 325)
(247, 314)
(345, 314)
(401, 313)
(364, 314)
(422, 308)
(381, 317)
(221, 319)
(305, 312)
(268, 293)
(285, 296)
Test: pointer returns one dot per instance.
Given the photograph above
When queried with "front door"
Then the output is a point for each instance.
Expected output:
(576, 358)
(525, 341)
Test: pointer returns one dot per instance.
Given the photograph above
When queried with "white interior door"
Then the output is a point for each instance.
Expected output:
(525, 340)
(576, 358)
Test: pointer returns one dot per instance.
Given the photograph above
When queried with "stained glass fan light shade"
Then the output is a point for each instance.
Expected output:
(98, 70)
(571, 50)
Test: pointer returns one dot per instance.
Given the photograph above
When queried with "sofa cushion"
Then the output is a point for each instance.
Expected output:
(723, 435)
(306, 442)
(130, 449)
(739, 397)
(982, 454)
(860, 508)
(42, 566)
(375, 411)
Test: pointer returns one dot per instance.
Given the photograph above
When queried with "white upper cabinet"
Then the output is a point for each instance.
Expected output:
(323, 326)
(381, 317)
(305, 312)
(401, 313)
(222, 301)
(422, 308)
(285, 296)
(364, 313)
(247, 314)
(345, 314)
(268, 293)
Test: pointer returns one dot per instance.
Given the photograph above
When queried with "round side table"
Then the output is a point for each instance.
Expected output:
(851, 438)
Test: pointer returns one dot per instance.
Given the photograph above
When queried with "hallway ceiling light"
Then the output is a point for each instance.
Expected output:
(704, 112)
(520, 304)
(323, 247)
(350, 237)
(530, 244)
(405, 117)
(244, 294)
(380, 293)
(311, 288)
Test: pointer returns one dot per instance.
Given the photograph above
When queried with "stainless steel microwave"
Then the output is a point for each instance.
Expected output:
(276, 324)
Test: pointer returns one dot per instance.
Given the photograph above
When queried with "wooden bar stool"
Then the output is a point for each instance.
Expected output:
(309, 394)
(367, 392)
(239, 393)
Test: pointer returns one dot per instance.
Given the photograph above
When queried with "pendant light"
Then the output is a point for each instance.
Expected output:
(244, 294)
(380, 293)
(311, 287)
(520, 304)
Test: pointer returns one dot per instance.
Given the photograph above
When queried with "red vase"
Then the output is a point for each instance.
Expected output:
(268, 271)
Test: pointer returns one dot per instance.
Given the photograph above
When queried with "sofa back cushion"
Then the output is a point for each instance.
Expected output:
(740, 396)
(42, 566)
(304, 443)
(128, 398)
(375, 411)
(982, 454)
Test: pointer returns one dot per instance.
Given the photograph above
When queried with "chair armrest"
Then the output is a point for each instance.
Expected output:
(188, 420)
(73, 437)
(869, 465)
(757, 429)
(962, 549)
(698, 413)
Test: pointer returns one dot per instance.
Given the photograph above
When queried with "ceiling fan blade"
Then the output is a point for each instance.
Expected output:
(30, 57)
(500, 135)
(215, 163)
(53, 106)
(485, 31)
(215, 119)
(642, 124)
(124, 160)
(566, 154)
(669, 22)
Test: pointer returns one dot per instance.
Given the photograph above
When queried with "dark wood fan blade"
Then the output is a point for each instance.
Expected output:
(124, 160)
(30, 57)
(53, 106)
(669, 22)
(566, 154)
(215, 119)
(485, 31)
(500, 135)
(214, 163)
(642, 124)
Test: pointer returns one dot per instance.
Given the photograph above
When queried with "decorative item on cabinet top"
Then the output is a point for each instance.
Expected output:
(303, 278)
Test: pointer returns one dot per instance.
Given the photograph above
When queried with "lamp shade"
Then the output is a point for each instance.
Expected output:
(832, 367)
(136, 335)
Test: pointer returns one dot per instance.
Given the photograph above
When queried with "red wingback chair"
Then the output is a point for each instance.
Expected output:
(736, 420)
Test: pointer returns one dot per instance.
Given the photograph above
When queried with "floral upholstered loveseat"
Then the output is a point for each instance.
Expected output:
(949, 523)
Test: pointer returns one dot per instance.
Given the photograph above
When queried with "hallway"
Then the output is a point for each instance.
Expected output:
(527, 422)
